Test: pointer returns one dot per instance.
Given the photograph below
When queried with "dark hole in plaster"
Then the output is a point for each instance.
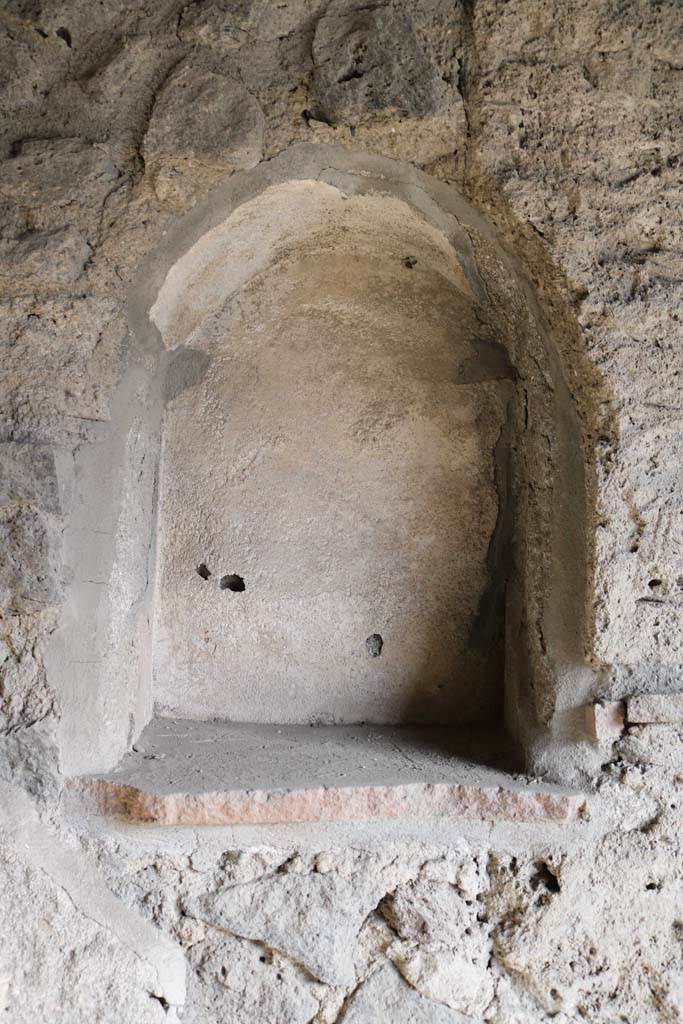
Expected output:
(203, 570)
(166, 1006)
(350, 76)
(64, 34)
(653, 584)
(232, 582)
(316, 115)
(544, 877)
(374, 645)
(489, 361)
(409, 262)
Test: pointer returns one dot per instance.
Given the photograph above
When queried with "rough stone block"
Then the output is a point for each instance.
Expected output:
(646, 708)
(368, 58)
(658, 744)
(605, 721)
(43, 261)
(204, 124)
(386, 997)
(61, 182)
(29, 580)
(28, 474)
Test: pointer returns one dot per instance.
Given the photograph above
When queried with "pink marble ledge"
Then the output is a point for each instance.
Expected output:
(359, 803)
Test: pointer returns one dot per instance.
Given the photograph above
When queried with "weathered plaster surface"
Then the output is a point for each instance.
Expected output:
(335, 455)
(562, 121)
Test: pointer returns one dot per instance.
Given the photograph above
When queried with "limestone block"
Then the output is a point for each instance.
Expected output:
(448, 976)
(450, 961)
(29, 758)
(427, 910)
(42, 262)
(26, 695)
(605, 720)
(385, 997)
(209, 24)
(237, 981)
(645, 708)
(314, 919)
(368, 58)
(59, 182)
(654, 744)
(204, 124)
(29, 579)
(28, 474)
(29, 66)
(61, 364)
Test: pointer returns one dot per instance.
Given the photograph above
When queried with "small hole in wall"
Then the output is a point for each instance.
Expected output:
(203, 571)
(653, 584)
(232, 582)
(409, 262)
(374, 645)
(544, 877)
(64, 34)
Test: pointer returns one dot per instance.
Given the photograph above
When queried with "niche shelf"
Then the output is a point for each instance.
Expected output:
(182, 772)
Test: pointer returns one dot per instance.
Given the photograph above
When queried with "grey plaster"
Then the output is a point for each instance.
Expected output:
(176, 755)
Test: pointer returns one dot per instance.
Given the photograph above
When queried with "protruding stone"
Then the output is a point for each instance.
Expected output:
(605, 720)
(211, 773)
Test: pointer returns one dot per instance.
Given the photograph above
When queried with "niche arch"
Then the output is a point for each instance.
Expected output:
(528, 627)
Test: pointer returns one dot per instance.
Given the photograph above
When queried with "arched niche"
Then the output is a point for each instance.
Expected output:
(328, 491)
(367, 503)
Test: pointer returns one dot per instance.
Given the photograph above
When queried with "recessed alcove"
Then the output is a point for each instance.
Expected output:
(322, 449)
(334, 470)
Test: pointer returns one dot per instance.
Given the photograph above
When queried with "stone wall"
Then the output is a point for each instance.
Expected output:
(562, 123)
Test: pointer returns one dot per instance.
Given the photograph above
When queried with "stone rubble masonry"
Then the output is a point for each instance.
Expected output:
(563, 121)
